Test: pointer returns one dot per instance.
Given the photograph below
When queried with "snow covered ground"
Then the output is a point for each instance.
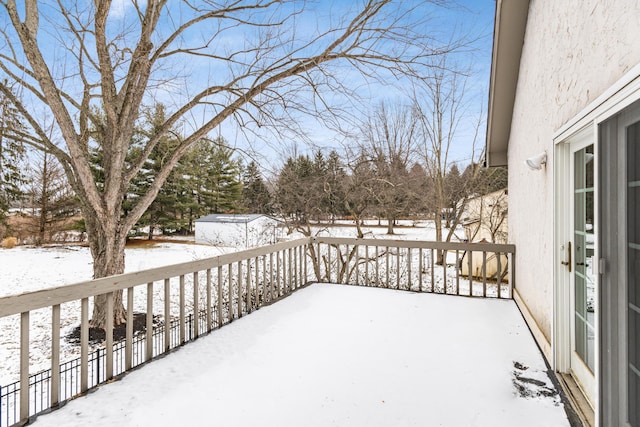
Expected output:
(343, 356)
(26, 268)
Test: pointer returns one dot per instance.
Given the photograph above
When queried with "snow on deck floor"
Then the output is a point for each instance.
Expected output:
(333, 355)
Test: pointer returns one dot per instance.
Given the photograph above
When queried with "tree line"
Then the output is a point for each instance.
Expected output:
(381, 180)
(210, 178)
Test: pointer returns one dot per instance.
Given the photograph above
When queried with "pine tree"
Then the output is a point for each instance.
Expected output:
(335, 186)
(164, 213)
(255, 194)
(12, 153)
(218, 187)
(300, 189)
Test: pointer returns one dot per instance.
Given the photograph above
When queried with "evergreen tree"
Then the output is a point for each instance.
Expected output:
(335, 186)
(298, 194)
(165, 212)
(12, 153)
(217, 186)
(256, 197)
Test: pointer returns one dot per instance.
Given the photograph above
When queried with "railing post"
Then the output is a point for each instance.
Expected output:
(167, 314)
(432, 266)
(484, 273)
(457, 269)
(386, 255)
(239, 265)
(470, 261)
(329, 263)
(512, 272)
(260, 293)
(377, 266)
(209, 301)
(182, 311)
(196, 305)
(398, 267)
(444, 270)
(55, 356)
(24, 366)
(272, 285)
(128, 345)
(409, 269)
(420, 268)
(230, 281)
(149, 323)
(266, 291)
(84, 345)
(220, 297)
(109, 337)
(249, 288)
(499, 273)
(306, 263)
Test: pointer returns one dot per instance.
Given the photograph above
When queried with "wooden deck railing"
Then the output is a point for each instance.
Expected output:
(453, 268)
(194, 298)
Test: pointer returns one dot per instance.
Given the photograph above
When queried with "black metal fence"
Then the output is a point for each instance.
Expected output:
(40, 383)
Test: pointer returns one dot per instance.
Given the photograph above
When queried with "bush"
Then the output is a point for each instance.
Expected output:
(9, 242)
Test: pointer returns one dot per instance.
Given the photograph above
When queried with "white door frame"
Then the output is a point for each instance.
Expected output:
(563, 339)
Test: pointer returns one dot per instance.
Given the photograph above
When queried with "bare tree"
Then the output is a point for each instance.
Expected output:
(440, 106)
(258, 62)
(387, 138)
(358, 193)
(52, 199)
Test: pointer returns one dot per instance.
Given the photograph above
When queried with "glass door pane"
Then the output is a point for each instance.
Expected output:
(633, 270)
(584, 278)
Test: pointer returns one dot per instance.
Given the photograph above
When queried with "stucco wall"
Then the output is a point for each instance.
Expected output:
(574, 51)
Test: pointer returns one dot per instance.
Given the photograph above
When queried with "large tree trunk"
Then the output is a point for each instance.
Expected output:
(107, 248)
(390, 223)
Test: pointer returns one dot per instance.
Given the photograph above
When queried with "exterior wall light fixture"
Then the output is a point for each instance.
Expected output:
(536, 162)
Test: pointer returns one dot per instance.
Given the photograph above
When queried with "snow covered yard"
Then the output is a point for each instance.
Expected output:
(25, 269)
(344, 356)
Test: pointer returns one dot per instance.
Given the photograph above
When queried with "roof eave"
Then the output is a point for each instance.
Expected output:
(508, 39)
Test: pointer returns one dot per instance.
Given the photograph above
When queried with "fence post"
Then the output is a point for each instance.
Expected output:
(24, 366)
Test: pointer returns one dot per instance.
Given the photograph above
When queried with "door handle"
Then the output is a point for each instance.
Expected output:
(568, 262)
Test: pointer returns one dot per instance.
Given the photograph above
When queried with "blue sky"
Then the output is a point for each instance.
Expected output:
(470, 19)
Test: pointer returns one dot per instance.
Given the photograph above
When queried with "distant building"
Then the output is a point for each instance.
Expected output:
(242, 231)
(485, 220)
(485, 217)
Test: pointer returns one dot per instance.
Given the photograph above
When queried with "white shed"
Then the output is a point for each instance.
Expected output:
(241, 231)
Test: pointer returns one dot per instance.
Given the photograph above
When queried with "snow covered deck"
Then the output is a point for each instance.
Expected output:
(343, 356)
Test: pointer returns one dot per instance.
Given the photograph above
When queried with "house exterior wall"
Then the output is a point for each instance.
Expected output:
(574, 51)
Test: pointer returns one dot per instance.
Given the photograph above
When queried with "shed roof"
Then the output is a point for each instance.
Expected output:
(231, 218)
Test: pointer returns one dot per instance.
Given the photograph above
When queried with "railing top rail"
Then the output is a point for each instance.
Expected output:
(15, 304)
(486, 247)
